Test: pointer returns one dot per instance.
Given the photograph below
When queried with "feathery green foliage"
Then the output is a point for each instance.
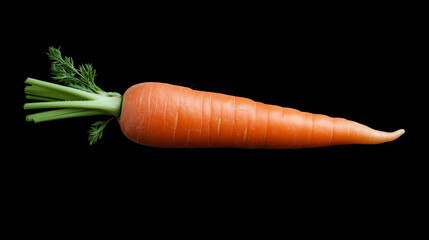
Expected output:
(63, 70)
(96, 131)
(79, 97)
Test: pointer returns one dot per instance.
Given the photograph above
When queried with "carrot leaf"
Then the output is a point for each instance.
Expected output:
(96, 131)
(63, 70)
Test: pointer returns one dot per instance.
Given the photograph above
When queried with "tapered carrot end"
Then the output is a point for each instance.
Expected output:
(395, 135)
(382, 137)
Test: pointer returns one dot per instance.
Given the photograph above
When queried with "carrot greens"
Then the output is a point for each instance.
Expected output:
(78, 97)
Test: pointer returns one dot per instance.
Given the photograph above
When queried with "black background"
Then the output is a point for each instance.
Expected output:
(357, 63)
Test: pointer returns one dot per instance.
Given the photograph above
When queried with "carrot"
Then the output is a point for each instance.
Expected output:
(165, 115)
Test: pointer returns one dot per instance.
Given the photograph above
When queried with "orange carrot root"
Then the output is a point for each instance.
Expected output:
(164, 115)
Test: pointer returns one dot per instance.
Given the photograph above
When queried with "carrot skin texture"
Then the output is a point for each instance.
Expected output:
(164, 115)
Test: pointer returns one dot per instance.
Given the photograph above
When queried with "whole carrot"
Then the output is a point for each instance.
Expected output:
(164, 115)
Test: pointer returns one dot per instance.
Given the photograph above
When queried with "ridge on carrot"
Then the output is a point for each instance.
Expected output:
(165, 115)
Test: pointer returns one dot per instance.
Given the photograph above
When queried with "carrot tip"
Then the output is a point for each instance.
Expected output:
(396, 134)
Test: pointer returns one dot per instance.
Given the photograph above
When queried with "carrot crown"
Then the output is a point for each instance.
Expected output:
(78, 97)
